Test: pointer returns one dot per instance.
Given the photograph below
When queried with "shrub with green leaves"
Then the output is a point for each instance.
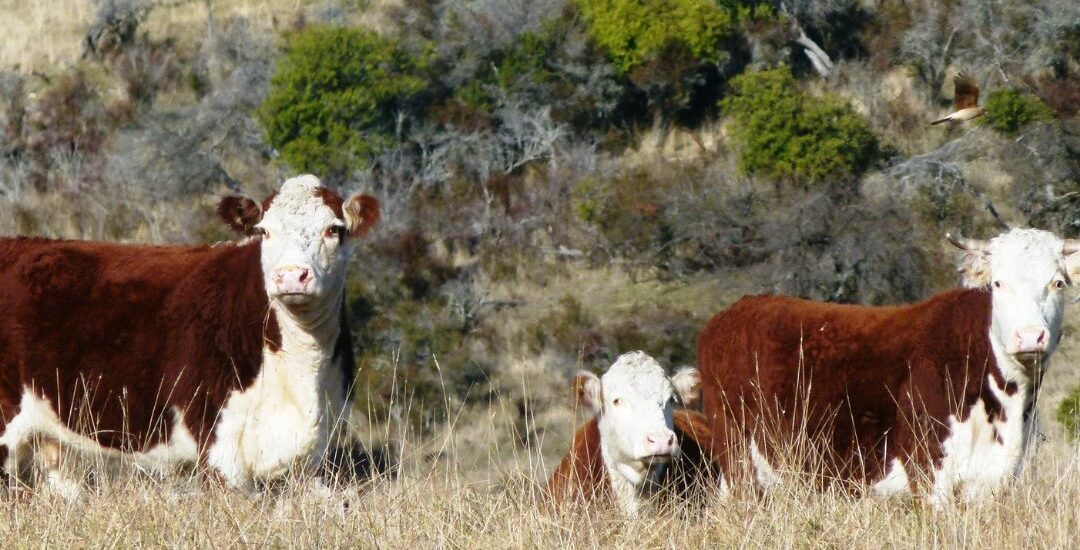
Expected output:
(1068, 414)
(336, 95)
(1007, 111)
(783, 133)
(636, 31)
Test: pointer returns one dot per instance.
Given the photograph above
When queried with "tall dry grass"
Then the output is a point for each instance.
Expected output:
(476, 484)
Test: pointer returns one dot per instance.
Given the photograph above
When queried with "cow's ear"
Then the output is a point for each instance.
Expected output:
(975, 269)
(361, 212)
(687, 384)
(1072, 267)
(588, 392)
(240, 213)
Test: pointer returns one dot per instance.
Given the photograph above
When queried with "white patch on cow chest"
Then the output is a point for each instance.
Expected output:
(981, 453)
(284, 422)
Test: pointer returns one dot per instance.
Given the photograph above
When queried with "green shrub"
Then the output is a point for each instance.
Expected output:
(1007, 111)
(783, 133)
(1068, 413)
(636, 31)
(336, 95)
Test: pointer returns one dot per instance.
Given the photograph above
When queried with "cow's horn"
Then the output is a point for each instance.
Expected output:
(967, 244)
(1071, 246)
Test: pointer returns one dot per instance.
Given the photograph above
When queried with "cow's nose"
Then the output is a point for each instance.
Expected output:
(660, 443)
(1032, 339)
(292, 279)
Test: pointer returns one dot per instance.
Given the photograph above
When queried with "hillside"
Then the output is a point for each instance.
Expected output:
(562, 181)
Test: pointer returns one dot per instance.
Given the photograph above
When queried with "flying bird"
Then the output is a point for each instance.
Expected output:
(965, 101)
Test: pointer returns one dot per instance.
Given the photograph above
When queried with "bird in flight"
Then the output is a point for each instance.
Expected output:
(965, 101)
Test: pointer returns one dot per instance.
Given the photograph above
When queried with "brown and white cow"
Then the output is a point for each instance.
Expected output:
(236, 355)
(639, 445)
(944, 388)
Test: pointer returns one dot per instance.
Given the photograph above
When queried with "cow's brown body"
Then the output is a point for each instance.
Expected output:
(862, 385)
(115, 336)
(582, 476)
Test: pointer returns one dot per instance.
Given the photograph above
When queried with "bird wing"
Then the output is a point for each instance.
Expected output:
(966, 93)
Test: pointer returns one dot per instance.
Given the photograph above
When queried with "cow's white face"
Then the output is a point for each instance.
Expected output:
(634, 402)
(306, 232)
(1027, 273)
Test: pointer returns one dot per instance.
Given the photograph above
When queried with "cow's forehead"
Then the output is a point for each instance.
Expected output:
(1025, 254)
(637, 374)
(301, 202)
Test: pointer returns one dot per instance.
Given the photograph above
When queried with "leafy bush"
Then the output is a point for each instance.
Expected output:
(783, 133)
(1068, 413)
(336, 96)
(1007, 111)
(635, 31)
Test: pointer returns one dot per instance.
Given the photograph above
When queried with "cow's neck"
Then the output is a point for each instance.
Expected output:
(305, 358)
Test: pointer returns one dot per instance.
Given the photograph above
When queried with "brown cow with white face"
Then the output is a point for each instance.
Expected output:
(639, 445)
(944, 388)
(236, 355)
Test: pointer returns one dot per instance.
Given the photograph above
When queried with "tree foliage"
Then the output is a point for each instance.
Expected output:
(1007, 111)
(783, 133)
(336, 96)
(636, 31)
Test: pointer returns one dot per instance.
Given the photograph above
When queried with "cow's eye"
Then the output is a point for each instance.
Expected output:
(1059, 284)
(617, 401)
(997, 284)
(334, 231)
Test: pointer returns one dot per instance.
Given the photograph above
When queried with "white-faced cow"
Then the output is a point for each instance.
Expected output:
(638, 445)
(236, 356)
(934, 397)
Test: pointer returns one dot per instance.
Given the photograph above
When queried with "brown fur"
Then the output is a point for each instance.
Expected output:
(582, 477)
(114, 335)
(864, 384)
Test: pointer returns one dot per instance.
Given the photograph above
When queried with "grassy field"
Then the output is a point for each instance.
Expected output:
(454, 503)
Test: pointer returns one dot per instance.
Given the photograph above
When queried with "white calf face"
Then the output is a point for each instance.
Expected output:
(1027, 273)
(634, 401)
(306, 231)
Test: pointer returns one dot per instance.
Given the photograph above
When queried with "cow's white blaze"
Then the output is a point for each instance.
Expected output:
(634, 401)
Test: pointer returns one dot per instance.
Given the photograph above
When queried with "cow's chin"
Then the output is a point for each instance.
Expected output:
(652, 461)
(1031, 360)
(296, 300)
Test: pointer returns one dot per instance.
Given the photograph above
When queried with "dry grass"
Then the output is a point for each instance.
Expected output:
(40, 35)
(440, 503)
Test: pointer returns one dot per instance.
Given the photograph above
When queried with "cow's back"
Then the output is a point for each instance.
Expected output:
(838, 376)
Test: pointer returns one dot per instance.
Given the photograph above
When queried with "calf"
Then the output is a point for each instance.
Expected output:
(235, 355)
(638, 444)
(945, 388)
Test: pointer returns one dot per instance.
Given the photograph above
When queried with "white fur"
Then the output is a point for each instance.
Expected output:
(895, 482)
(766, 476)
(981, 454)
